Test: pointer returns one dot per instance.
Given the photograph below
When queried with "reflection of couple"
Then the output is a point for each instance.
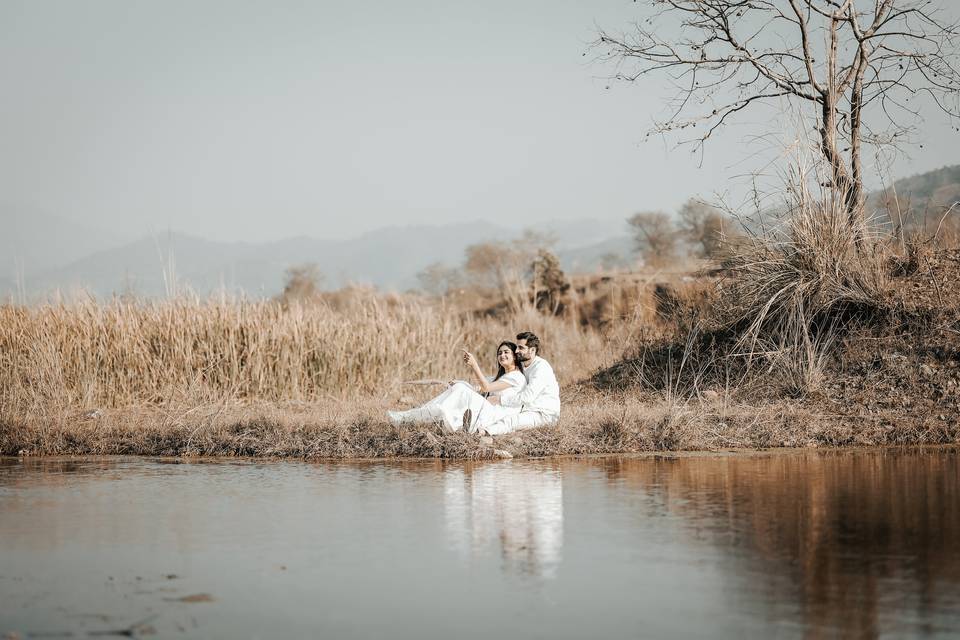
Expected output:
(524, 394)
(517, 508)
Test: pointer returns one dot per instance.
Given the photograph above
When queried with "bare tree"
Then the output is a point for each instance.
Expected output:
(703, 226)
(437, 279)
(876, 56)
(504, 264)
(655, 236)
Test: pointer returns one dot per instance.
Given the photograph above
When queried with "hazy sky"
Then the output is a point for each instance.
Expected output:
(260, 120)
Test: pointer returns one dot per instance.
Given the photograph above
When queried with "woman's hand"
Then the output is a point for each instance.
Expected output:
(469, 359)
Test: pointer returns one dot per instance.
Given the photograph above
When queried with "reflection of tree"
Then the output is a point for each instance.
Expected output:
(517, 507)
(862, 536)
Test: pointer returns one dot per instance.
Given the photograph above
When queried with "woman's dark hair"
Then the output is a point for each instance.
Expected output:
(516, 359)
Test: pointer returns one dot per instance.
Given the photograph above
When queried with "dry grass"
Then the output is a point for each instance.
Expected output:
(57, 358)
(813, 273)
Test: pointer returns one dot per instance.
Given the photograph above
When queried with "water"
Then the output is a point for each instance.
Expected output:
(853, 544)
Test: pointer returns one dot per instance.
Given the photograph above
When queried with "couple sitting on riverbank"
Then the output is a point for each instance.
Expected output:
(524, 394)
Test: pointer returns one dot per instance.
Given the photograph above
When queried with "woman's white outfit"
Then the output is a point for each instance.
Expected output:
(450, 406)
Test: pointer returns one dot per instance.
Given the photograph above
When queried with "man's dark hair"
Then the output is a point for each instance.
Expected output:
(532, 340)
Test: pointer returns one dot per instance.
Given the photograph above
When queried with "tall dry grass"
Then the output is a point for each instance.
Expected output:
(812, 272)
(56, 358)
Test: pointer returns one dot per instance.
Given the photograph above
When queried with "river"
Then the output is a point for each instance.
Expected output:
(854, 543)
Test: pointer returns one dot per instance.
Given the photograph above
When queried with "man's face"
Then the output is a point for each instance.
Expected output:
(526, 353)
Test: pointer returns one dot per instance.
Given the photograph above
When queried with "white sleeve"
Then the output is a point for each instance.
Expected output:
(537, 383)
(516, 380)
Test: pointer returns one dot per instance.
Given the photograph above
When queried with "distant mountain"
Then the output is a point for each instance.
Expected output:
(921, 196)
(388, 258)
(32, 241)
(573, 234)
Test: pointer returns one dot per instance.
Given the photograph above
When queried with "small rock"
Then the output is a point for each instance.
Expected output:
(502, 454)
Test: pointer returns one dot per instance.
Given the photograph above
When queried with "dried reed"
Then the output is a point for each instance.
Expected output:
(55, 358)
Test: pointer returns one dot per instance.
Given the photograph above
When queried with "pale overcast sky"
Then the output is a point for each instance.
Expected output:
(240, 120)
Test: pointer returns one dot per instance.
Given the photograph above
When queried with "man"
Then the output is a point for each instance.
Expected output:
(538, 403)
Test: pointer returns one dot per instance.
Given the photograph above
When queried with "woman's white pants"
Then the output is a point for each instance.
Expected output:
(450, 405)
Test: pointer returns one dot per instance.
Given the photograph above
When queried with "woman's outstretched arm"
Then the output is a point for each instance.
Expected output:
(483, 385)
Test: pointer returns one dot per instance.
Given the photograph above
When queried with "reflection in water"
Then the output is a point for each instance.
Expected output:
(803, 544)
(865, 540)
(518, 507)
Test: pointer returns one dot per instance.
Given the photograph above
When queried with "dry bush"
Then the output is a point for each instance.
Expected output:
(800, 360)
(550, 285)
(770, 324)
(301, 282)
(811, 273)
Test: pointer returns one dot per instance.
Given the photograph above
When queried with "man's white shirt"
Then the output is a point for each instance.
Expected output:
(541, 393)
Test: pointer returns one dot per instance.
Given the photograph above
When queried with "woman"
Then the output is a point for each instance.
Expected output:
(462, 406)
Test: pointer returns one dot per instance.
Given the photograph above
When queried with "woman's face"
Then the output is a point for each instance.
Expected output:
(505, 357)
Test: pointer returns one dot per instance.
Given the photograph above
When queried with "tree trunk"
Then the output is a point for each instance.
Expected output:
(855, 199)
(843, 186)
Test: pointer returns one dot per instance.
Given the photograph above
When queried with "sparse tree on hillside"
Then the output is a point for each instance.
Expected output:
(550, 285)
(491, 265)
(703, 227)
(438, 279)
(301, 282)
(841, 60)
(504, 264)
(655, 237)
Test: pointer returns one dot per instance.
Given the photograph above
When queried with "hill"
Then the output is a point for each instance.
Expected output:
(388, 258)
(33, 241)
(920, 199)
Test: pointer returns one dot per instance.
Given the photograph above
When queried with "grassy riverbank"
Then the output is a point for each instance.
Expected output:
(591, 424)
(807, 341)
